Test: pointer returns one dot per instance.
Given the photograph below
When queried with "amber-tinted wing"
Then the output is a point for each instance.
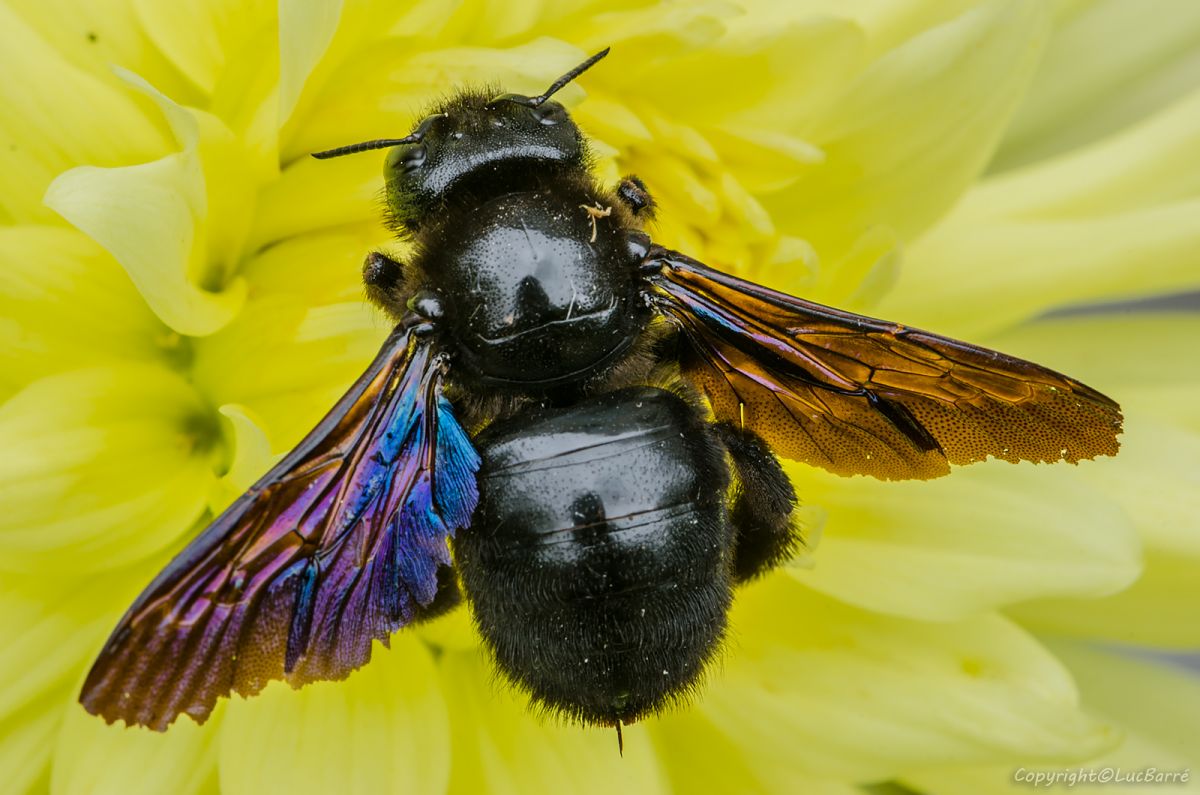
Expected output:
(861, 396)
(337, 546)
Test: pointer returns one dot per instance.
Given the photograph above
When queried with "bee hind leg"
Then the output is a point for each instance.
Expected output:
(763, 504)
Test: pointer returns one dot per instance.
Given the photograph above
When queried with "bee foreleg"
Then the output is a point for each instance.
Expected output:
(383, 277)
(633, 194)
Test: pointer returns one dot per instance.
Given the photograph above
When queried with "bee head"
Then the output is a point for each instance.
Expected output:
(479, 143)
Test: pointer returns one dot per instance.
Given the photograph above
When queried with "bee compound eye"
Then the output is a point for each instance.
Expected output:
(414, 158)
(407, 158)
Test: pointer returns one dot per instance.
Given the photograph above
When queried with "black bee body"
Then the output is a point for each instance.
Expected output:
(588, 418)
(600, 561)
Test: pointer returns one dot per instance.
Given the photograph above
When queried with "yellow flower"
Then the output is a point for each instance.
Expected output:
(179, 300)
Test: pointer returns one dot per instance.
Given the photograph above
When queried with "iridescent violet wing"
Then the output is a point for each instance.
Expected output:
(855, 395)
(337, 546)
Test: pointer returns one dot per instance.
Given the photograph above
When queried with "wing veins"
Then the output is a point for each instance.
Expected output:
(916, 401)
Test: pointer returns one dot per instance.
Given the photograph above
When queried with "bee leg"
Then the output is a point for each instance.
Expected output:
(762, 507)
(633, 194)
(383, 277)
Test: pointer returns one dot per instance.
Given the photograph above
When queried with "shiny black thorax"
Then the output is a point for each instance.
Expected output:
(531, 299)
(600, 559)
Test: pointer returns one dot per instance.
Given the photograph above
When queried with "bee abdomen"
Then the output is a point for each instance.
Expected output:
(599, 560)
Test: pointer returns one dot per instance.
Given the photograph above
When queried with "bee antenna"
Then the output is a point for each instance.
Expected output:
(365, 146)
(568, 77)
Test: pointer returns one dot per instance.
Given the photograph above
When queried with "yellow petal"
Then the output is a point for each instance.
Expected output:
(141, 215)
(1159, 610)
(865, 273)
(914, 131)
(312, 195)
(815, 688)
(99, 33)
(988, 536)
(612, 120)
(1112, 221)
(319, 267)
(683, 139)
(1157, 706)
(101, 467)
(679, 188)
(1004, 271)
(762, 159)
(1150, 163)
(251, 455)
(472, 20)
(52, 626)
(1155, 479)
(64, 303)
(293, 351)
(305, 32)
(177, 225)
(287, 363)
(50, 122)
(1114, 351)
(1077, 98)
(246, 100)
(791, 64)
(328, 41)
(886, 24)
(385, 729)
(95, 758)
(699, 757)
(500, 749)
(198, 35)
(379, 91)
(659, 31)
(746, 213)
(26, 743)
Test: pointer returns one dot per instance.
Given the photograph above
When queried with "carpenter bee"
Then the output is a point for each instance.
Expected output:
(590, 419)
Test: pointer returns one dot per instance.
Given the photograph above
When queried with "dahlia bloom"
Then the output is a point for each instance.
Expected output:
(180, 302)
